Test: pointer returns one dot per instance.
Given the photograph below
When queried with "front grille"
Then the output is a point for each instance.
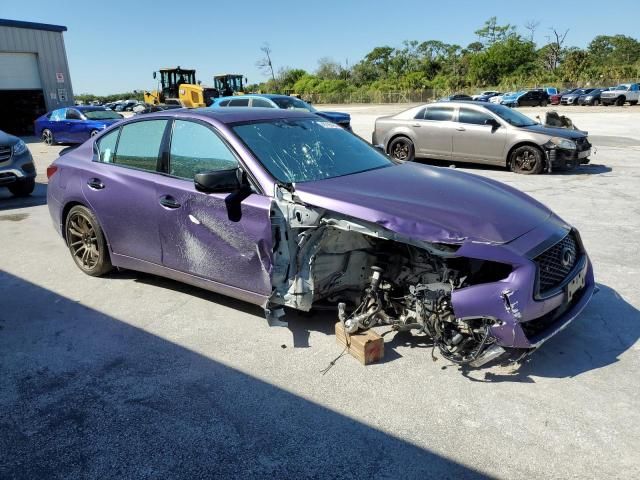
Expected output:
(555, 263)
(5, 154)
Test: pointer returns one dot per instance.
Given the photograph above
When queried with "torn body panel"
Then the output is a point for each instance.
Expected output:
(474, 299)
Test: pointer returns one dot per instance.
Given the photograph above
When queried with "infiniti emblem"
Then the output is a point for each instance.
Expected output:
(568, 257)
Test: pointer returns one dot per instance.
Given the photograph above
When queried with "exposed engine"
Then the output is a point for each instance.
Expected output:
(414, 293)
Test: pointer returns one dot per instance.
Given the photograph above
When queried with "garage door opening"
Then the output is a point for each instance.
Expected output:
(18, 110)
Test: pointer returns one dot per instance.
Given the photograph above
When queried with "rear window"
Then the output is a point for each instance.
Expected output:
(139, 144)
(441, 114)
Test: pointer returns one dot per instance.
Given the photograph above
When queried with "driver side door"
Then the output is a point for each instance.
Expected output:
(215, 236)
(74, 126)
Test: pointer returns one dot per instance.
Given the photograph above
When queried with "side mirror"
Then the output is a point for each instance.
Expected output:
(219, 181)
(493, 122)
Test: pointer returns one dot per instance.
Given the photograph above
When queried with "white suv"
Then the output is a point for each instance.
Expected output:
(627, 92)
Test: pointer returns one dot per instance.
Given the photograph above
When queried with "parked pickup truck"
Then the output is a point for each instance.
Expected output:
(627, 92)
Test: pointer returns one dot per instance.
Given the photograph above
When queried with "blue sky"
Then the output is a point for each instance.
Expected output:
(114, 46)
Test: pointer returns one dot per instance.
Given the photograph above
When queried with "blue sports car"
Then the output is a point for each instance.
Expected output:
(286, 102)
(74, 124)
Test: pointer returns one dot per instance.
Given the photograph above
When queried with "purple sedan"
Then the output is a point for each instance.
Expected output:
(283, 208)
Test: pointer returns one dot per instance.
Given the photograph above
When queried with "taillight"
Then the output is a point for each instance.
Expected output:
(51, 170)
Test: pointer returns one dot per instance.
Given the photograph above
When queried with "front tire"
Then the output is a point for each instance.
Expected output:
(620, 101)
(527, 160)
(23, 188)
(47, 137)
(401, 148)
(86, 242)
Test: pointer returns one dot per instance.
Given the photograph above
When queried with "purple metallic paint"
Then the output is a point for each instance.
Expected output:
(489, 221)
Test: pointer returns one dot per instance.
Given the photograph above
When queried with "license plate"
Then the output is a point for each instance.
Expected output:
(576, 284)
(584, 154)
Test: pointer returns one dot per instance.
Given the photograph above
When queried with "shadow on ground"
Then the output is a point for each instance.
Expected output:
(607, 328)
(589, 169)
(9, 202)
(84, 395)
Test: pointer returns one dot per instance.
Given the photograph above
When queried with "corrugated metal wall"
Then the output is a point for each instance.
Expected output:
(52, 61)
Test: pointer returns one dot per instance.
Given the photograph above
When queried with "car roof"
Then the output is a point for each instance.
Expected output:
(88, 107)
(236, 114)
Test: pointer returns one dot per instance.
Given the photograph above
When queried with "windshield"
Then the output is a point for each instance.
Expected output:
(101, 115)
(292, 103)
(512, 117)
(308, 149)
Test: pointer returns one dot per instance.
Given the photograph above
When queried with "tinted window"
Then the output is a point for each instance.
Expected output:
(292, 103)
(102, 115)
(224, 103)
(260, 102)
(240, 102)
(195, 148)
(420, 114)
(139, 144)
(301, 150)
(441, 114)
(73, 114)
(107, 145)
(474, 117)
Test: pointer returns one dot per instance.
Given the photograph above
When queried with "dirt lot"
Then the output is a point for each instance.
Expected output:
(133, 376)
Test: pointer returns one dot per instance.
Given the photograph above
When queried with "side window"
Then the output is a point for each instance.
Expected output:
(635, 88)
(420, 114)
(260, 102)
(473, 117)
(139, 144)
(58, 115)
(196, 148)
(441, 114)
(73, 114)
(224, 103)
(240, 102)
(107, 146)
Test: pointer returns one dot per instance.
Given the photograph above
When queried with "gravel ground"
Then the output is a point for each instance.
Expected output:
(134, 376)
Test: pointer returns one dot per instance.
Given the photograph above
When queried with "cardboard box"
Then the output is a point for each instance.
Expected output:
(367, 346)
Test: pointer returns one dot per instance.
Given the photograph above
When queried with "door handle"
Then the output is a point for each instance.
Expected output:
(169, 202)
(416, 125)
(461, 129)
(95, 183)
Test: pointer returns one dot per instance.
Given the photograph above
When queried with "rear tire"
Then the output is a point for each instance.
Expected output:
(401, 148)
(527, 160)
(635, 102)
(23, 188)
(86, 242)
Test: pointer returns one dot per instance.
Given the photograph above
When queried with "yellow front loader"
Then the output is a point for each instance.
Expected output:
(178, 86)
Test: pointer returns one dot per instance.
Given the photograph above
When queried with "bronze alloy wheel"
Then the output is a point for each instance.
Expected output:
(86, 242)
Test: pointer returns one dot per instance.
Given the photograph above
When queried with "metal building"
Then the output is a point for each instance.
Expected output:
(34, 73)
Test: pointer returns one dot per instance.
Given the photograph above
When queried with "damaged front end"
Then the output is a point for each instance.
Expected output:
(471, 299)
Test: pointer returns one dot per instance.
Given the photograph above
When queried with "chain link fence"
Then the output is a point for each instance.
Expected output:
(430, 95)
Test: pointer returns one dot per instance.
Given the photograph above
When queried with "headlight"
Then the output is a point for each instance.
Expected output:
(19, 148)
(563, 143)
(588, 98)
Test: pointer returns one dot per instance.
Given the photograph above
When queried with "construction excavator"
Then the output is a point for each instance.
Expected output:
(178, 86)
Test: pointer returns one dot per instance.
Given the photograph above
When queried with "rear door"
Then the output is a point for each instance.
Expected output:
(222, 237)
(121, 188)
(74, 126)
(473, 141)
(434, 132)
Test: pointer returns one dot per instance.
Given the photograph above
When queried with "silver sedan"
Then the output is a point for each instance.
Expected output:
(480, 133)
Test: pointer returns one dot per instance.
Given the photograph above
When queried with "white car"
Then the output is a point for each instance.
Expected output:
(627, 92)
(484, 94)
(498, 98)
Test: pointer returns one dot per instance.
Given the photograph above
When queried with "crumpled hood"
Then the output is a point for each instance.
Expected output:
(432, 204)
(555, 131)
(336, 117)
